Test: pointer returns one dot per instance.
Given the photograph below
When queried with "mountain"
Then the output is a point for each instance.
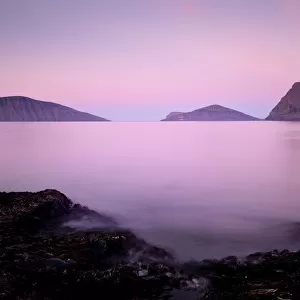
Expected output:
(288, 108)
(210, 113)
(23, 109)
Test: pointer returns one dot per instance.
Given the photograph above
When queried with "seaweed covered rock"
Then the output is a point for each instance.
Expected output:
(273, 275)
(25, 210)
(45, 255)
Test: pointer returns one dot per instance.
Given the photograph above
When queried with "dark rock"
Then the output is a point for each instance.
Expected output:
(30, 211)
(42, 262)
(82, 218)
(41, 258)
(210, 113)
(54, 263)
(273, 275)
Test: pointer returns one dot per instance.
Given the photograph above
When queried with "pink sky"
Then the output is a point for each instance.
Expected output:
(138, 60)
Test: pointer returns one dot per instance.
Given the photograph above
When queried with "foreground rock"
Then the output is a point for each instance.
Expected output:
(24, 109)
(45, 254)
(288, 109)
(210, 113)
(273, 275)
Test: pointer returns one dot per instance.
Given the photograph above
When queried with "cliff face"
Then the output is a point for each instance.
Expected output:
(18, 109)
(288, 109)
(210, 113)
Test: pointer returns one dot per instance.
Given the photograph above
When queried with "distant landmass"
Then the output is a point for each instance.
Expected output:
(288, 109)
(23, 109)
(210, 113)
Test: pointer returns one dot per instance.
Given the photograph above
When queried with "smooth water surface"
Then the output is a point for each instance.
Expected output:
(201, 189)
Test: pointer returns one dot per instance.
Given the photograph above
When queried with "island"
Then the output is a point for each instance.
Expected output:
(288, 108)
(46, 254)
(210, 113)
(24, 109)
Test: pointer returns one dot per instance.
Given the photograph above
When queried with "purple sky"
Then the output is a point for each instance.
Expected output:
(140, 59)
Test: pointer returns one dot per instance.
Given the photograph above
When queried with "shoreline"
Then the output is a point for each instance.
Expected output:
(43, 253)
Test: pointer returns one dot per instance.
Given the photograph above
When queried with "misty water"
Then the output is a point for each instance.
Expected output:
(201, 190)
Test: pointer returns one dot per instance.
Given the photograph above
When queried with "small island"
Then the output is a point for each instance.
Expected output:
(210, 113)
(24, 109)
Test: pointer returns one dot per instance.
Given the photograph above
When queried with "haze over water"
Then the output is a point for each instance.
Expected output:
(202, 190)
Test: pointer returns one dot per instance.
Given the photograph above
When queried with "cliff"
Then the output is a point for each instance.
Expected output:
(23, 109)
(288, 108)
(210, 113)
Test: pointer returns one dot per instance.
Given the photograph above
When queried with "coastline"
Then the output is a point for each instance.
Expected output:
(52, 248)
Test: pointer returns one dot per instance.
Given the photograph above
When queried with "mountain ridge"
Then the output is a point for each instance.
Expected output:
(25, 109)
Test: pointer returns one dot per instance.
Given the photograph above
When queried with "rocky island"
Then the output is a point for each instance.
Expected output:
(288, 109)
(23, 109)
(210, 113)
(46, 254)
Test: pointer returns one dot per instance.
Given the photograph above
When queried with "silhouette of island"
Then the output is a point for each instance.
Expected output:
(23, 109)
(210, 113)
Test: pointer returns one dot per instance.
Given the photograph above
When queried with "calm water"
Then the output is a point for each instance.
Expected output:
(202, 189)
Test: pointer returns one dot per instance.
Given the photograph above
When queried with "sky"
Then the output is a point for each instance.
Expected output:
(138, 60)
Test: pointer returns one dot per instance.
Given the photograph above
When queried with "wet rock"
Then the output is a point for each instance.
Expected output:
(27, 211)
(143, 273)
(42, 258)
(271, 275)
(81, 218)
(46, 260)
(254, 257)
(54, 262)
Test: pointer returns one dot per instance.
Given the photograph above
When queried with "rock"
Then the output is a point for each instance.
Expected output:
(288, 109)
(81, 218)
(210, 113)
(273, 275)
(41, 258)
(42, 262)
(71, 261)
(18, 108)
(143, 273)
(54, 262)
(30, 211)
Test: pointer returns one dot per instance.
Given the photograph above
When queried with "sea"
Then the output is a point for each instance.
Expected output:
(201, 190)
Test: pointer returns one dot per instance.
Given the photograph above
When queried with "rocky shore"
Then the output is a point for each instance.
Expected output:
(46, 254)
